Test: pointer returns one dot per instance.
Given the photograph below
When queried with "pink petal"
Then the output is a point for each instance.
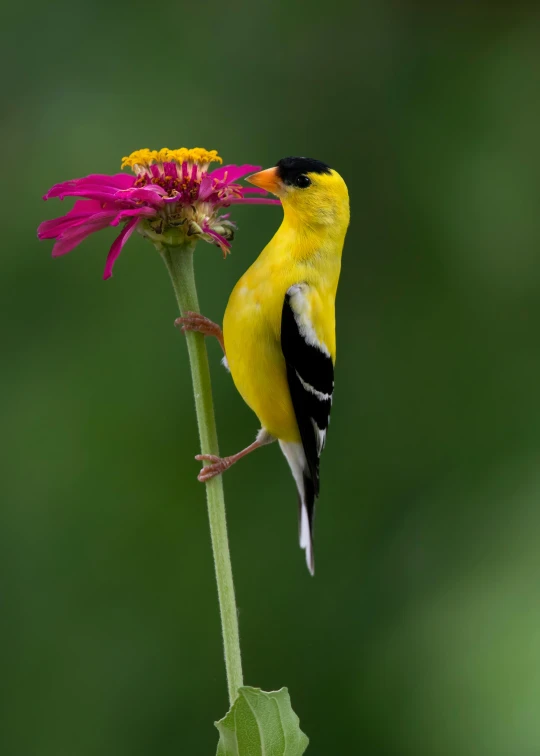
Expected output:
(233, 172)
(59, 228)
(95, 180)
(117, 180)
(253, 189)
(169, 169)
(54, 228)
(86, 206)
(151, 193)
(117, 246)
(126, 197)
(206, 187)
(73, 237)
(102, 194)
(250, 201)
(82, 210)
(140, 212)
(220, 240)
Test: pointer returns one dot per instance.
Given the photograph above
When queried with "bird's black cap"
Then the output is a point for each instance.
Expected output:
(289, 168)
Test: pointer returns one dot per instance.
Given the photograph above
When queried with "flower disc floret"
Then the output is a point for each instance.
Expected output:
(142, 160)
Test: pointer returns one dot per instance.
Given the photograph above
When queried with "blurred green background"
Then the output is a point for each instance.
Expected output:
(420, 633)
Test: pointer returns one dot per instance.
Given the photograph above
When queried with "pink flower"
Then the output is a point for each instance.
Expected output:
(171, 198)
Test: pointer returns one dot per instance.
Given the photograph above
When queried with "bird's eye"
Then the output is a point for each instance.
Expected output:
(302, 181)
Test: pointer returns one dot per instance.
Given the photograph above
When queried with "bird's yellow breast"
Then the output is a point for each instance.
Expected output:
(252, 322)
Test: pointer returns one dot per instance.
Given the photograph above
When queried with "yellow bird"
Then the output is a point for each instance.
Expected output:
(279, 328)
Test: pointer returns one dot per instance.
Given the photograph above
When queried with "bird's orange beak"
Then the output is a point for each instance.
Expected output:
(267, 179)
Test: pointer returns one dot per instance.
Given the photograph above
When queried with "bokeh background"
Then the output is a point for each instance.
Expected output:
(420, 634)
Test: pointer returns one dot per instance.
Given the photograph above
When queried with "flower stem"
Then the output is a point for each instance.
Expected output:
(179, 262)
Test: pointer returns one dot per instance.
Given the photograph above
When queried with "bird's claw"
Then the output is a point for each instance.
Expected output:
(219, 465)
(194, 321)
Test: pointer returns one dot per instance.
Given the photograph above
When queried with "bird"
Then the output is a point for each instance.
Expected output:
(278, 332)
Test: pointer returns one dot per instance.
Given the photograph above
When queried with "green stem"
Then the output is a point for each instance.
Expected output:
(179, 262)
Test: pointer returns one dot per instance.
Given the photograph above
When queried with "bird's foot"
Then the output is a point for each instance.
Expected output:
(194, 321)
(219, 465)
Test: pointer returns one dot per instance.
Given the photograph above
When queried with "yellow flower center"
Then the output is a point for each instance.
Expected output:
(142, 159)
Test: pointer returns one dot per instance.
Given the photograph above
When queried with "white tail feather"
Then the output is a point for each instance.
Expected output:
(294, 454)
(304, 529)
(305, 539)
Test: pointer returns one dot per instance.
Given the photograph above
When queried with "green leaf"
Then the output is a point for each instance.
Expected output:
(261, 724)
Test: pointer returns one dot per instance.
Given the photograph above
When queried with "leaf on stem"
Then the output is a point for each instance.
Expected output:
(261, 724)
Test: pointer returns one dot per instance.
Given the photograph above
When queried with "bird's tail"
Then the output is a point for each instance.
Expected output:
(307, 494)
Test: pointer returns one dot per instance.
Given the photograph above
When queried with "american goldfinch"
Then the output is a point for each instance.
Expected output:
(279, 326)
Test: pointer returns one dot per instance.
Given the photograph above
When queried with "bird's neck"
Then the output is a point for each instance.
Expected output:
(310, 242)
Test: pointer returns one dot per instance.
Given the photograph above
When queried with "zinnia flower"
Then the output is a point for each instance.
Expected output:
(171, 198)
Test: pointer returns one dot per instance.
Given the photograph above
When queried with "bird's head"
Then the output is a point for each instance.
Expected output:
(311, 192)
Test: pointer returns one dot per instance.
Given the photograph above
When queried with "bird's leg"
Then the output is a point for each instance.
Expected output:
(220, 464)
(194, 321)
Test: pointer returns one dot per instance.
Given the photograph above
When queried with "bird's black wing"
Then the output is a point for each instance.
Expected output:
(310, 375)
